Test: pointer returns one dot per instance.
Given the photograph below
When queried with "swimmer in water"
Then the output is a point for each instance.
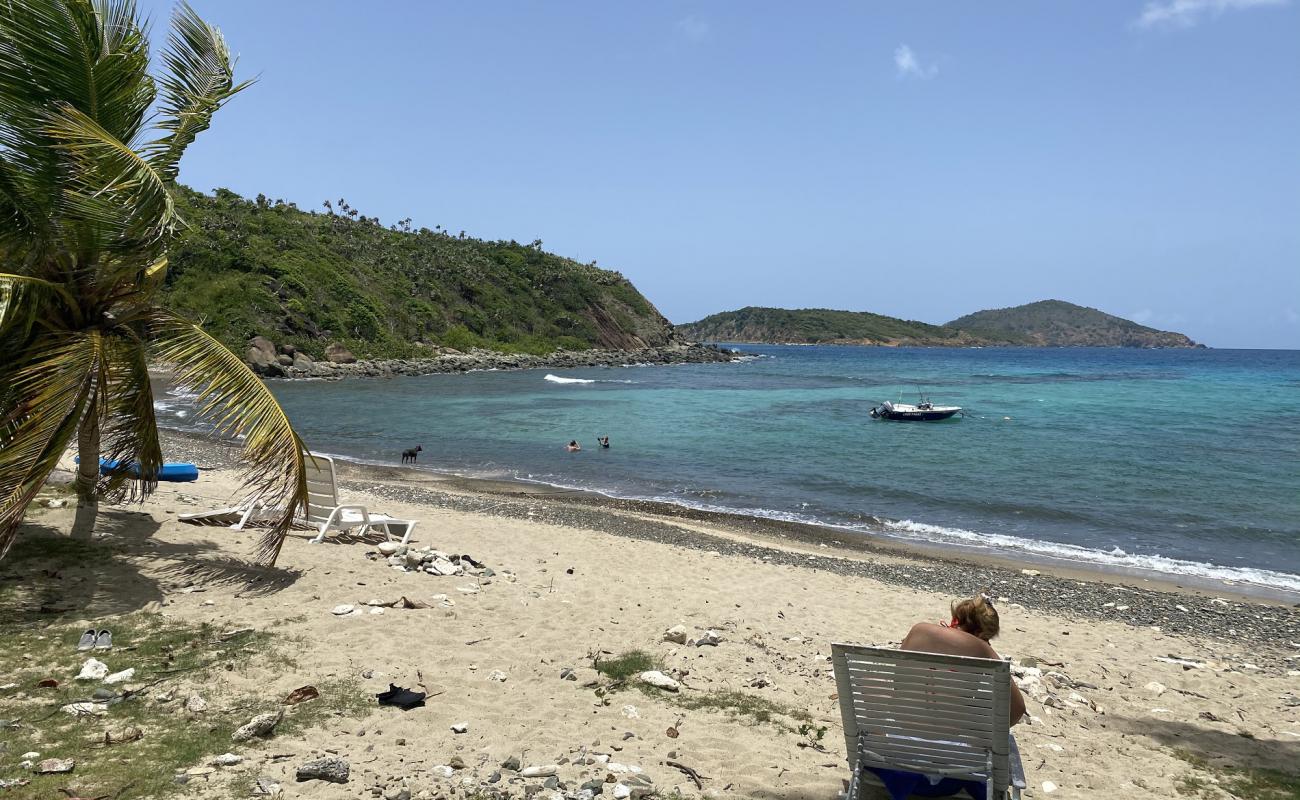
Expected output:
(573, 446)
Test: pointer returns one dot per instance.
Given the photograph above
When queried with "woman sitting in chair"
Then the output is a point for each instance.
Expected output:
(974, 622)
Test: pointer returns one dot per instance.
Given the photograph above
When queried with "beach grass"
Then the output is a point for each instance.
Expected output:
(1245, 782)
(165, 654)
(746, 707)
(743, 706)
(626, 665)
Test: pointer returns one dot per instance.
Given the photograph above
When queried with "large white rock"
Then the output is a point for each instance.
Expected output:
(677, 634)
(1155, 688)
(196, 704)
(117, 677)
(392, 548)
(93, 670)
(342, 610)
(541, 771)
(659, 680)
(260, 725)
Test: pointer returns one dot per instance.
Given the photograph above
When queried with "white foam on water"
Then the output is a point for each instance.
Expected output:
(557, 379)
(1114, 558)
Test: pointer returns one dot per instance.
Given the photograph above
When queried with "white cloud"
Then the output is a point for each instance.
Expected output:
(909, 66)
(1186, 13)
(1142, 317)
(693, 28)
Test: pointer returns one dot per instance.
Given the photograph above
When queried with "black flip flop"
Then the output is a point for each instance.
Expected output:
(404, 699)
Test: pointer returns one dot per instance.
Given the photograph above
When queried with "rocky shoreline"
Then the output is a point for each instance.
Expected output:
(1264, 630)
(285, 361)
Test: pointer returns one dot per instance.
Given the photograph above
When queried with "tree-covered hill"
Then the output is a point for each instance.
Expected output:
(1056, 323)
(826, 326)
(266, 268)
(1049, 323)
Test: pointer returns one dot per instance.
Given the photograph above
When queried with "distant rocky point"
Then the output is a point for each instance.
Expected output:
(1047, 323)
(286, 361)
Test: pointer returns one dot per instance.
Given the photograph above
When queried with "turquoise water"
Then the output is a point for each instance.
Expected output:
(1185, 461)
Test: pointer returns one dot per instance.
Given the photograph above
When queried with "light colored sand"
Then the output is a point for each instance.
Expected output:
(777, 621)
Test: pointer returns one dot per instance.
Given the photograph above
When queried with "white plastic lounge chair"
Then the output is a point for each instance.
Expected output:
(326, 514)
(235, 517)
(935, 715)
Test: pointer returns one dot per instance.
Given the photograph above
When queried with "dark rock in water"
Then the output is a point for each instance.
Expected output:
(338, 354)
(334, 770)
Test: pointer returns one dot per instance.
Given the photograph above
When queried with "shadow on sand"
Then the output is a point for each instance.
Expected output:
(49, 577)
(1218, 748)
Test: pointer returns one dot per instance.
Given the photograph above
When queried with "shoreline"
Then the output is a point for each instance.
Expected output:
(526, 647)
(299, 367)
(1158, 601)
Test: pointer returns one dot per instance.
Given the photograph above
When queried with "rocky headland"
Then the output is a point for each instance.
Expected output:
(285, 361)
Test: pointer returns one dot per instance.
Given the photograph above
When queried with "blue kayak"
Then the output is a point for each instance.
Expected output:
(175, 471)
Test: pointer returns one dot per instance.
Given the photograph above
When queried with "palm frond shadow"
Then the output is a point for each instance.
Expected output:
(218, 571)
(49, 577)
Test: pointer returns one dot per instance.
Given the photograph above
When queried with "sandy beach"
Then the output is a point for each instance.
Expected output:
(573, 582)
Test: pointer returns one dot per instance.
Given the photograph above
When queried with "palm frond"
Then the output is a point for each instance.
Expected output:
(88, 56)
(54, 380)
(108, 166)
(199, 78)
(23, 300)
(231, 396)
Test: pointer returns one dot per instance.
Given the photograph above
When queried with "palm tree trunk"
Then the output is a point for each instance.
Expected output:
(87, 473)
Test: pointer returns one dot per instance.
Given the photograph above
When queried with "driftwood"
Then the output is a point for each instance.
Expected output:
(690, 773)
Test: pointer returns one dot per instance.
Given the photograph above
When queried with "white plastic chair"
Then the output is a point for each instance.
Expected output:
(325, 513)
(936, 715)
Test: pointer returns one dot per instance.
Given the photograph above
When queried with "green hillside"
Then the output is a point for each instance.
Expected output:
(258, 267)
(1056, 323)
(826, 326)
(1049, 323)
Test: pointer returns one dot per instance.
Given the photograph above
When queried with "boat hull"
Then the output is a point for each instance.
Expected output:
(914, 416)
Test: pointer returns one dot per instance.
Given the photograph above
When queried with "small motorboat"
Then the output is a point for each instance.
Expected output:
(924, 411)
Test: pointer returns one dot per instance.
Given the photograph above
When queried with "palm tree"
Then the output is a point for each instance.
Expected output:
(87, 173)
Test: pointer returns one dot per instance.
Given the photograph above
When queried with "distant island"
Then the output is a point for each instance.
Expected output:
(1047, 323)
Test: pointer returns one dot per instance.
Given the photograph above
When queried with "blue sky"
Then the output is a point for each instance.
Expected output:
(920, 159)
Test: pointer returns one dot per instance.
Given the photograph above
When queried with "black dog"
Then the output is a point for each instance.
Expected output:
(410, 455)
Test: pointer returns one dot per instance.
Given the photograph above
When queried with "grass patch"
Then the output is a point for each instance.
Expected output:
(164, 653)
(744, 706)
(1246, 782)
(627, 665)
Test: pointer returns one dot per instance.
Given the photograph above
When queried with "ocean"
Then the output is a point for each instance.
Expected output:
(1185, 462)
